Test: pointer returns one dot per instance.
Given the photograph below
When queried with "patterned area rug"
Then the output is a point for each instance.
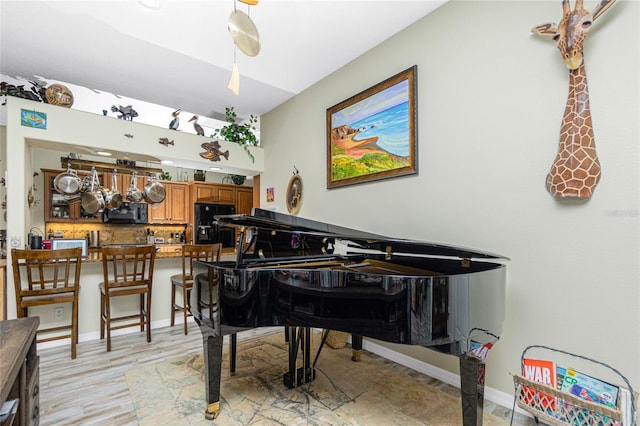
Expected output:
(374, 391)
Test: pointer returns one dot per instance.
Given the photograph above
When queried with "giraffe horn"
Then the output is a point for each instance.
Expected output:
(566, 7)
(601, 8)
(579, 5)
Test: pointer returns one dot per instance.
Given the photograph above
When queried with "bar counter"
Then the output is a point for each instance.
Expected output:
(163, 251)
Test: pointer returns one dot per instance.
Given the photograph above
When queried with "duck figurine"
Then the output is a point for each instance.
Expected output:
(176, 120)
(198, 128)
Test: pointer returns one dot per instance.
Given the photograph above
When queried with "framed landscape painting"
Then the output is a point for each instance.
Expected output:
(373, 135)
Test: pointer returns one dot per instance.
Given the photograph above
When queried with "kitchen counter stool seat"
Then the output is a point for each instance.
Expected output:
(128, 271)
(184, 282)
(48, 277)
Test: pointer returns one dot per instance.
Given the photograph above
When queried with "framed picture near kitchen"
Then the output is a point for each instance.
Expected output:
(373, 134)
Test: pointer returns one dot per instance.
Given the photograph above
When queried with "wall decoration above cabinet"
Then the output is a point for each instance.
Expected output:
(125, 113)
(213, 151)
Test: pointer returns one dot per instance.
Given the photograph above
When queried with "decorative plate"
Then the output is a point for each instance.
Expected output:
(294, 194)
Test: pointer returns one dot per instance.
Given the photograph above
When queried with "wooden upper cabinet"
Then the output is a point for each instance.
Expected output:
(174, 207)
(244, 200)
(179, 197)
(226, 194)
(204, 190)
(213, 193)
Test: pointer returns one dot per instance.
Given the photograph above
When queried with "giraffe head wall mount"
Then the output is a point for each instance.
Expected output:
(576, 170)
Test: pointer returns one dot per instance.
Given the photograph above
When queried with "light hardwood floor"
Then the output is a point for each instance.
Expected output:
(92, 390)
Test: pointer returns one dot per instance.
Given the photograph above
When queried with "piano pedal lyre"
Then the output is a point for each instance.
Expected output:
(299, 338)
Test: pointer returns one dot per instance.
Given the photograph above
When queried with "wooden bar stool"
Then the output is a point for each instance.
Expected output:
(184, 282)
(127, 271)
(48, 277)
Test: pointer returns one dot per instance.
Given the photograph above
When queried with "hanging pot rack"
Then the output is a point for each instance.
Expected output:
(108, 167)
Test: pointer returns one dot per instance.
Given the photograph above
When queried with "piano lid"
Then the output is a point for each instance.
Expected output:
(275, 221)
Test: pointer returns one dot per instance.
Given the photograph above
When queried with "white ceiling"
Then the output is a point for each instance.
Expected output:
(180, 55)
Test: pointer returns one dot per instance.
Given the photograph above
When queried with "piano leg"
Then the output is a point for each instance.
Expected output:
(472, 390)
(212, 373)
(356, 347)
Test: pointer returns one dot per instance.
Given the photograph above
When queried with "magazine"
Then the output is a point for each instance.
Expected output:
(541, 371)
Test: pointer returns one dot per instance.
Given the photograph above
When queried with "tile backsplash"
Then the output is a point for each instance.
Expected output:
(115, 234)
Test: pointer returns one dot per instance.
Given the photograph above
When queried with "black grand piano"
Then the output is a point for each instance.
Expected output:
(304, 274)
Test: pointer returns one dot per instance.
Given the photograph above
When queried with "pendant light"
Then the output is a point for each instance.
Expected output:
(245, 37)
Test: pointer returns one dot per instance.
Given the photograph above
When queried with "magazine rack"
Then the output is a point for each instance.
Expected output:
(556, 407)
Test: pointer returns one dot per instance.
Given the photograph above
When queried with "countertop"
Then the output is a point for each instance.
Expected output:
(163, 251)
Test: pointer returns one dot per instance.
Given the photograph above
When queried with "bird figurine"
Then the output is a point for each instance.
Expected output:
(198, 128)
(176, 120)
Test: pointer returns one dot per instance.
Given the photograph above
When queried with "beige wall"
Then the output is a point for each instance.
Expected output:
(490, 100)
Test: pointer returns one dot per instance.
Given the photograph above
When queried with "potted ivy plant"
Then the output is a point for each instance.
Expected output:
(242, 134)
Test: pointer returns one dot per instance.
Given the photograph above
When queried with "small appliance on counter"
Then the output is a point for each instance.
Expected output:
(62, 243)
(34, 240)
(127, 213)
(207, 230)
(94, 238)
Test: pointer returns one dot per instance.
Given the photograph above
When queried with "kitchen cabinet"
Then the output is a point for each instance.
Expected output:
(241, 197)
(244, 200)
(226, 194)
(57, 208)
(202, 190)
(214, 193)
(174, 207)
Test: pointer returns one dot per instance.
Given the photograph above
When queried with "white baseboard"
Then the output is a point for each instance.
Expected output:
(95, 335)
(493, 395)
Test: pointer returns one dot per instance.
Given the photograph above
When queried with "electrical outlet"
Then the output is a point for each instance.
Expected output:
(16, 241)
(58, 313)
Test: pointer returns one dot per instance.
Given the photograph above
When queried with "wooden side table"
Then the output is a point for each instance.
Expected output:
(20, 367)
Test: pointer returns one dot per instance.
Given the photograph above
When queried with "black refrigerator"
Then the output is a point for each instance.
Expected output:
(207, 230)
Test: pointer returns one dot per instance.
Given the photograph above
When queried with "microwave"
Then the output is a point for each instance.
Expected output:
(127, 213)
